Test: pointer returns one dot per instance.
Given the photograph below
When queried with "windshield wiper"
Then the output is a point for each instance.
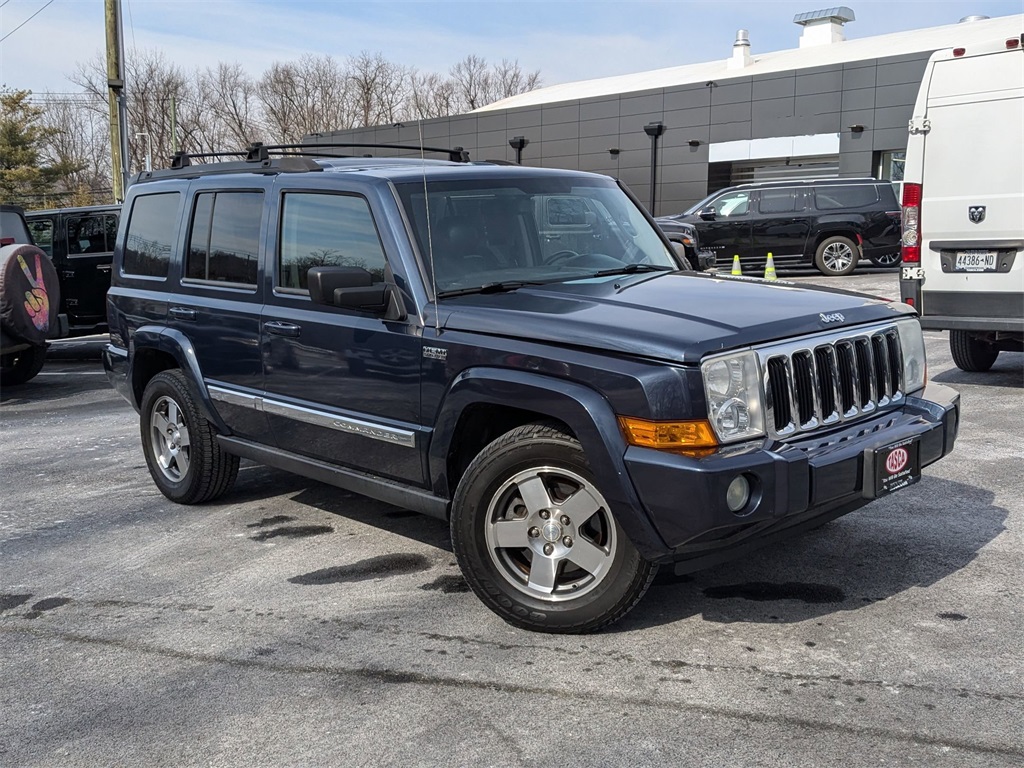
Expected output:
(630, 269)
(499, 287)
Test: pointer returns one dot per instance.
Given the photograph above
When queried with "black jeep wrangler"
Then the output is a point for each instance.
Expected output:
(515, 350)
(29, 301)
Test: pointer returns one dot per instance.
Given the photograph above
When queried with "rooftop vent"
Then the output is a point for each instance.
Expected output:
(967, 19)
(740, 51)
(823, 27)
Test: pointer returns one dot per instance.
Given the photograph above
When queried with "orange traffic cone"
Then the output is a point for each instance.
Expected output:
(736, 265)
(769, 269)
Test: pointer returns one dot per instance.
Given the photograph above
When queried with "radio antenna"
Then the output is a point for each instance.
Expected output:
(430, 235)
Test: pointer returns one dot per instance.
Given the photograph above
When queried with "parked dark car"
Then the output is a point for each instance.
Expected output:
(29, 301)
(830, 223)
(579, 408)
(80, 242)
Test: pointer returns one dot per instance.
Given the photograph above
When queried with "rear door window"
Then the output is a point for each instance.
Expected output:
(780, 201)
(91, 234)
(150, 236)
(224, 237)
(853, 196)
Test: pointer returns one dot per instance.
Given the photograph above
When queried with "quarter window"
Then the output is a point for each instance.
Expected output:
(224, 238)
(42, 234)
(853, 196)
(323, 230)
(148, 241)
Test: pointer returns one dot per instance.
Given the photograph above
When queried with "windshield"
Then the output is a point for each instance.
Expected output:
(497, 232)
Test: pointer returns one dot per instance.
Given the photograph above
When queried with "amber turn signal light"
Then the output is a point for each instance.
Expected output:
(693, 438)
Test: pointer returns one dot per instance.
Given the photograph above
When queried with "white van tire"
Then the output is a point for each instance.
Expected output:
(971, 353)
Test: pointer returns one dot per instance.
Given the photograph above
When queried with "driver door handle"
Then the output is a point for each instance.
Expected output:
(278, 328)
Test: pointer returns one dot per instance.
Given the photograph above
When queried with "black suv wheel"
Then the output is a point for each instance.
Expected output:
(536, 540)
(21, 366)
(187, 464)
(836, 256)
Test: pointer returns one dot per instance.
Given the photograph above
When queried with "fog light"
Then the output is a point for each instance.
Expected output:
(738, 494)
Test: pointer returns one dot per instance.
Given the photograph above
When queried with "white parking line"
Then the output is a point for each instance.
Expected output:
(73, 373)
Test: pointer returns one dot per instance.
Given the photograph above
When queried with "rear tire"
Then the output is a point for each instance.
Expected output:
(184, 458)
(536, 540)
(21, 366)
(836, 256)
(971, 353)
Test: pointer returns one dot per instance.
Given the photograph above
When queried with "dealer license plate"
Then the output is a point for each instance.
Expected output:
(892, 468)
(975, 261)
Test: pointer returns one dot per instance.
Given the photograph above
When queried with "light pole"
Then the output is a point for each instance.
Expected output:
(654, 130)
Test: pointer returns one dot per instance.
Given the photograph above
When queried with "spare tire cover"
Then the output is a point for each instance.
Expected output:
(29, 293)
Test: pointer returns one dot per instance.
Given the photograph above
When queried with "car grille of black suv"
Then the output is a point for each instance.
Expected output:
(823, 380)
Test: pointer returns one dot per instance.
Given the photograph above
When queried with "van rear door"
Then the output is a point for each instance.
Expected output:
(971, 185)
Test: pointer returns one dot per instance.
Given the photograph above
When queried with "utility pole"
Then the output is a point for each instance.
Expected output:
(115, 99)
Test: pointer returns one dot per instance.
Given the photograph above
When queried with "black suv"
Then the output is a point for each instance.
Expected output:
(80, 242)
(512, 349)
(831, 223)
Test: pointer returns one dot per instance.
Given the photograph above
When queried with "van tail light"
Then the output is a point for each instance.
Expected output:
(1013, 42)
(958, 52)
(911, 240)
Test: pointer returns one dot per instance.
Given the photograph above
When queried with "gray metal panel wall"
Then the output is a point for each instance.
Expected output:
(877, 94)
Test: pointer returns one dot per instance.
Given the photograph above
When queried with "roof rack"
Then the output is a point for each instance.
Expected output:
(275, 158)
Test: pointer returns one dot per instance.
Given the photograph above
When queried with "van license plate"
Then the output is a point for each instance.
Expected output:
(975, 261)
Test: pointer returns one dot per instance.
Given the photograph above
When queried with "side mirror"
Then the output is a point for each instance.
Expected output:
(708, 214)
(349, 288)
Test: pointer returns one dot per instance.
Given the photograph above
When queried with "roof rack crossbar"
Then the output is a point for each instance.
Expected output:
(455, 154)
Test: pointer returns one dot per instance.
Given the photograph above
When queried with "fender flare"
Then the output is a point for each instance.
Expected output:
(587, 413)
(178, 346)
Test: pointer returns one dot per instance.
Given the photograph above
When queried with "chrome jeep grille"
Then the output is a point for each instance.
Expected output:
(829, 379)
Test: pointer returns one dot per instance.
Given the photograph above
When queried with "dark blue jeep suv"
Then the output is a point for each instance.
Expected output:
(512, 349)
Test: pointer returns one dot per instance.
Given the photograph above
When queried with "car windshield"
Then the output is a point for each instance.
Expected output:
(499, 234)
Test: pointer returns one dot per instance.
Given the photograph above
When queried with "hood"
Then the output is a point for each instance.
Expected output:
(678, 316)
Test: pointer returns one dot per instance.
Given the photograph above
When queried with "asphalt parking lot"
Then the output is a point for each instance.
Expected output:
(292, 623)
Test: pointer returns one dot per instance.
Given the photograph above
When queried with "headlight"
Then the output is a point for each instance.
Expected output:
(732, 385)
(915, 369)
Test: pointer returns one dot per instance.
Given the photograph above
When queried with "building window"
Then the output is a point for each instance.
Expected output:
(891, 164)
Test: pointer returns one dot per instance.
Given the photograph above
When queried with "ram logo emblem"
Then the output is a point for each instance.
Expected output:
(976, 213)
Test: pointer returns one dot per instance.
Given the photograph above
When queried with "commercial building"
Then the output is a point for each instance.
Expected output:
(829, 107)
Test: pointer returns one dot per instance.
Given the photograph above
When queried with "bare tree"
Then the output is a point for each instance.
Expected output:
(78, 139)
(472, 82)
(304, 97)
(431, 96)
(379, 88)
(231, 99)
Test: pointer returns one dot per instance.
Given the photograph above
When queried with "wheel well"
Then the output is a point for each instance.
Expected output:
(822, 236)
(480, 424)
(147, 364)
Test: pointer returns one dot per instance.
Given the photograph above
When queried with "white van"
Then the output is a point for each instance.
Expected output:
(963, 201)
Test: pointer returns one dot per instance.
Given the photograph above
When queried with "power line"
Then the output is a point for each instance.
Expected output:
(26, 21)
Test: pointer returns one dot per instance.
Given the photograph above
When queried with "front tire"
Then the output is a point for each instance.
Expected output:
(836, 256)
(971, 353)
(537, 541)
(184, 458)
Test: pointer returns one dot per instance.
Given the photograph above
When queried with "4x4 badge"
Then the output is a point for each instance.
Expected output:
(976, 213)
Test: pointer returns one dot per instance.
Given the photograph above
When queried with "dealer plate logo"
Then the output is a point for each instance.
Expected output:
(897, 460)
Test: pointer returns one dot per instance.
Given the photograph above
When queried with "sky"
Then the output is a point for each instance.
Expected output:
(567, 40)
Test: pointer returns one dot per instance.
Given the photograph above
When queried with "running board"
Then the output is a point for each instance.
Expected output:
(382, 489)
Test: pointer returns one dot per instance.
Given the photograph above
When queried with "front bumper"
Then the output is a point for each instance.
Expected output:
(795, 485)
